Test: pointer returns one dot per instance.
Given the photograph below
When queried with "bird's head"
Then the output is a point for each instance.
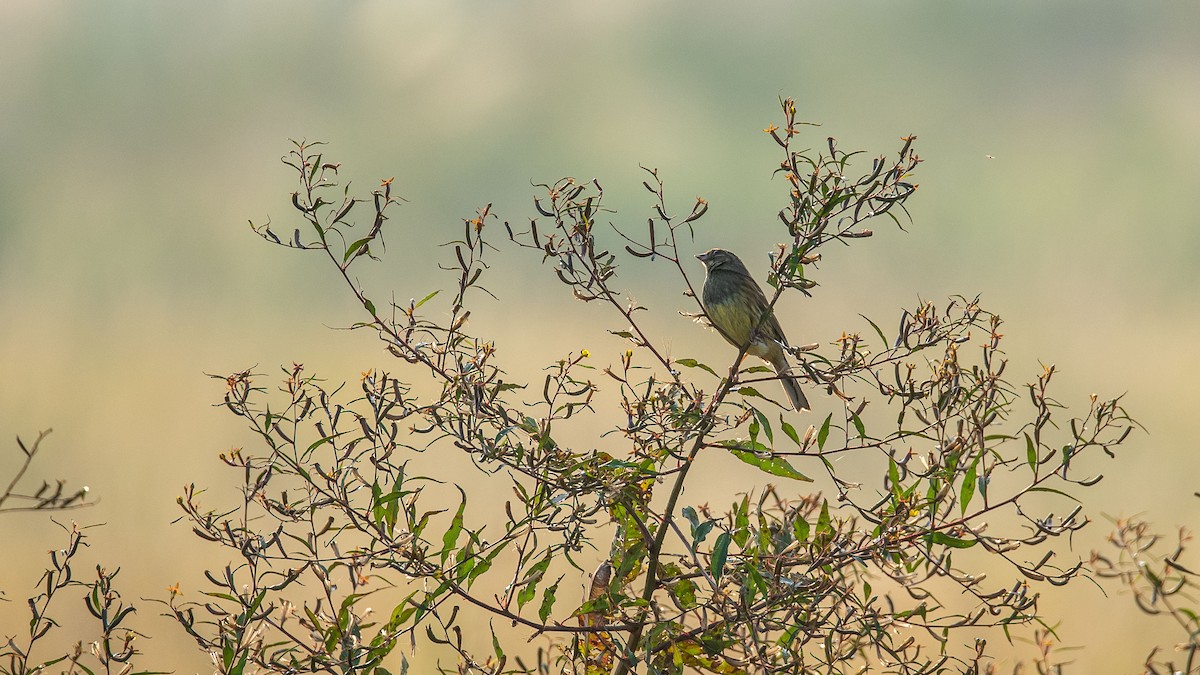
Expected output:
(718, 258)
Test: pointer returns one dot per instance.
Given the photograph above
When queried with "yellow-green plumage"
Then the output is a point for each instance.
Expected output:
(735, 306)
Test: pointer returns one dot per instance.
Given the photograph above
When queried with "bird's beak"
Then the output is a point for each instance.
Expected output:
(700, 257)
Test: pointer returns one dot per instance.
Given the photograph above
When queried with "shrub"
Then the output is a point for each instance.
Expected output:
(957, 469)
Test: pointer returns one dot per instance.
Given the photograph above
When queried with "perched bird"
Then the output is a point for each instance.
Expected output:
(735, 305)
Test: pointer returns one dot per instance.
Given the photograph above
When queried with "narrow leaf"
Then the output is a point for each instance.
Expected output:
(693, 363)
(789, 430)
(858, 424)
(766, 426)
(456, 524)
(719, 553)
(943, 539)
(548, 597)
(1052, 490)
(354, 247)
(776, 466)
(967, 491)
(426, 299)
(878, 331)
(823, 434)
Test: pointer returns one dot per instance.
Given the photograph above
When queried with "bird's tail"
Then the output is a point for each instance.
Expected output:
(791, 386)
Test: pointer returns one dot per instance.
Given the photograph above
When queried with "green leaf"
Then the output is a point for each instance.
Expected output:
(464, 564)
(318, 443)
(426, 298)
(429, 602)
(684, 592)
(749, 391)
(882, 339)
(496, 647)
(766, 425)
(693, 363)
(719, 553)
(1052, 490)
(789, 430)
(531, 581)
(824, 521)
(741, 521)
(1031, 454)
(483, 565)
(776, 466)
(967, 491)
(943, 539)
(747, 445)
(377, 509)
(450, 539)
(800, 529)
(526, 594)
(690, 514)
(240, 667)
(858, 424)
(700, 532)
(401, 612)
(921, 611)
(548, 597)
(354, 247)
(755, 584)
(370, 306)
(823, 434)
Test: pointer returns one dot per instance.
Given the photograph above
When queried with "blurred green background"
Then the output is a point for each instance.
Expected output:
(1061, 145)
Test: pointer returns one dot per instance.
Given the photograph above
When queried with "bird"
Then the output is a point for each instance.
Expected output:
(735, 305)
